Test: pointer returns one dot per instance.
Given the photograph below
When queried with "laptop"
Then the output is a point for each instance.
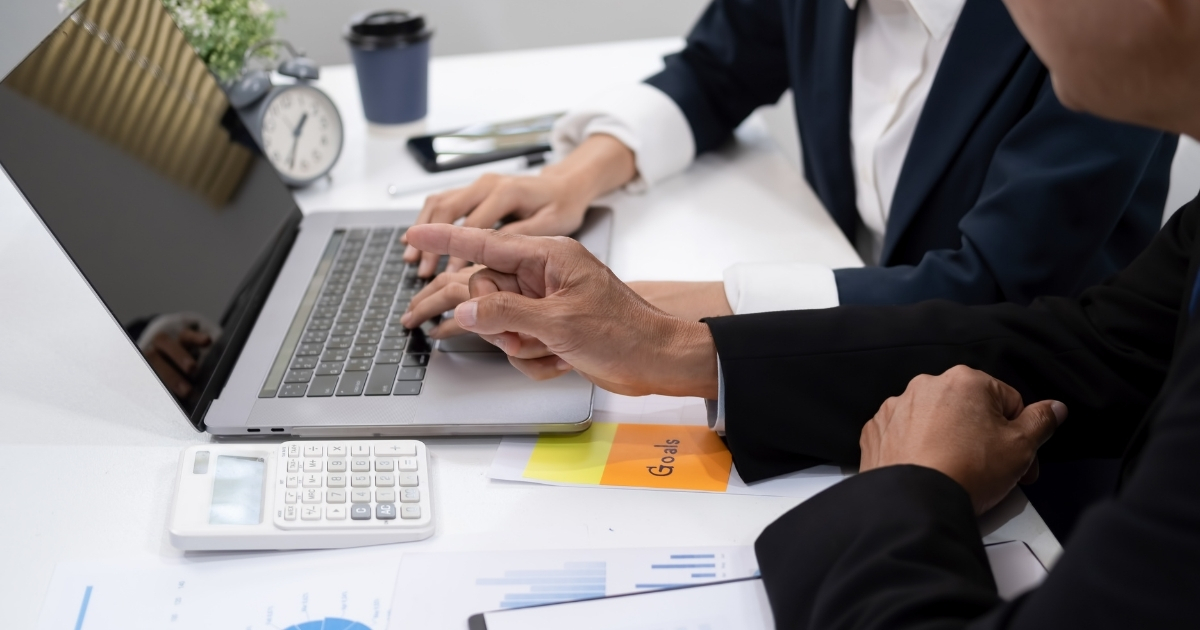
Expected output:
(126, 147)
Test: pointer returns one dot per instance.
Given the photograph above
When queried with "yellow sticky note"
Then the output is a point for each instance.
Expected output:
(578, 458)
(680, 457)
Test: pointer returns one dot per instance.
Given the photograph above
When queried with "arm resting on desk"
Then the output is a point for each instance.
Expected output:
(800, 385)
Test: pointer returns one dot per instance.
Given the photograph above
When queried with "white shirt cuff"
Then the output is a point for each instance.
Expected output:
(642, 118)
(763, 287)
(716, 408)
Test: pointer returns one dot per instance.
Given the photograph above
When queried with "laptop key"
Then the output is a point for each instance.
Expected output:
(354, 304)
(330, 300)
(352, 384)
(322, 386)
(376, 313)
(325, 311)
(358, 365)
(293, 390)
(329, 368)
(395, 331)
(381, 379)
(392, 343)
(407, 388)
(388, 356)
(339, 343)
(410, 374)
(320, 323)
(304, 363)
(315, 336)
(334, 354)
(380, 301)
(367, 337)
(298, 376)
(309, 349)
(344, 329)
(363, 352)
(415, 360)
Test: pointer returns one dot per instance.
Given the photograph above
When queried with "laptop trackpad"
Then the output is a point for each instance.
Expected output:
(469, 342)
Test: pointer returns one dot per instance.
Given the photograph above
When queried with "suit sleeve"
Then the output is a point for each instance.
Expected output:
(799, 385)
(898, 547)
(1059, 187)
(734, 61)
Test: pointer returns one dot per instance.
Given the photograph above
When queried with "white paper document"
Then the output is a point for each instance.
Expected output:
(738, 605)
(1014, 568)
(440, 591)
(342, 590)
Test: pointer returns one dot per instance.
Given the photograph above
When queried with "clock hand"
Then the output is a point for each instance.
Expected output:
(296, 140)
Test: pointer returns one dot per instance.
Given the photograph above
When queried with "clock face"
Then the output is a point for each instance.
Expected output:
(301, 133)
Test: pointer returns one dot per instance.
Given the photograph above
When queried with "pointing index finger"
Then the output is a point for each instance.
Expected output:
(501, 251)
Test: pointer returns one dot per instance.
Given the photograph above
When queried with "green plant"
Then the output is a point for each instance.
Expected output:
(219, 30)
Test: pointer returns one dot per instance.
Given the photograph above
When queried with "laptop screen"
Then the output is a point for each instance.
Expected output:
(125, 145)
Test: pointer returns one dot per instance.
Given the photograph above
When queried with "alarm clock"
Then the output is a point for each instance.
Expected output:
(296, 125)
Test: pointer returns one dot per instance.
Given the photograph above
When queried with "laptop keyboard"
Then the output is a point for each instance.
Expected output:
(346, 338)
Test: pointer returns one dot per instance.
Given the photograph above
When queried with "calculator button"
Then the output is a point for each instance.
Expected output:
(337, 465)
(289, 512)
(313, 450)
(360, 465)
(385, 511)
(385, 481)
(293, 465)
(360, 496)
(410, 495)
(360, 481)
(338, 450)
(312, 513)
(407, 480)
(337, 481)
(312, 481)
(312, 465)
(290, 496)
(396, 450)
(360, 450)
(311, 495)
(384, 465)
(293, 481)
(385, 496)
(360, 512)
(408, 464)
(335, 496)
(410, 511)
(335, 513)
(293, 450)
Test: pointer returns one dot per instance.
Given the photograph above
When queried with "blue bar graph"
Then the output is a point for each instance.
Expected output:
(575, 580)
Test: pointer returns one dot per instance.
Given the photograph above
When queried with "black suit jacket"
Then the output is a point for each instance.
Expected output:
(1005, 196)
(899, 547)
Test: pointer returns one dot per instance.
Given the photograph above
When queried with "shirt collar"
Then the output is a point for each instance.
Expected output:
(939, 16)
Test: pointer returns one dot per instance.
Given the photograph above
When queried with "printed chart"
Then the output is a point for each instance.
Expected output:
(300, 591)
(440, 590)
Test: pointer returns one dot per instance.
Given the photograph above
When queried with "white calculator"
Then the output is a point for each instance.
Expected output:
(302, 495)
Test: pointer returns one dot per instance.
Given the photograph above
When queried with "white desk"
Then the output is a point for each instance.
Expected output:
(89, 441)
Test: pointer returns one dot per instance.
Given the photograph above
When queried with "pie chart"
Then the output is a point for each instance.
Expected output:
(329, 623)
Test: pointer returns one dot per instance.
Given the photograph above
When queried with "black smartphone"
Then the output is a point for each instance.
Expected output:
(482, 143)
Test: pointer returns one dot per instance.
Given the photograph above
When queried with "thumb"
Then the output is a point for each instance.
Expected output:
(503, 312)
(1039, 420)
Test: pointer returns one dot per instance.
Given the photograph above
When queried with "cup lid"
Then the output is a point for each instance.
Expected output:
(386, 28)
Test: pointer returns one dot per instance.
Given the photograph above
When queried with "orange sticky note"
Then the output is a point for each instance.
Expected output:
(679, 457)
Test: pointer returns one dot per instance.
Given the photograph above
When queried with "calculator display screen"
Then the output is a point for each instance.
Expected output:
(237, 491)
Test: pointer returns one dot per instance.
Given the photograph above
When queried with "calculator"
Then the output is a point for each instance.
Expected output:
(302, 495)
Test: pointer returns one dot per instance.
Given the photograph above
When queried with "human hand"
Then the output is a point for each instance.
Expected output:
(446, 291)
(551, 307)
(967, 425)
(549, 204)
(173, 358)
(691, 301)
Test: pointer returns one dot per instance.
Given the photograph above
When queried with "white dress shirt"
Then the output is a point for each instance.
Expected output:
(898, 47)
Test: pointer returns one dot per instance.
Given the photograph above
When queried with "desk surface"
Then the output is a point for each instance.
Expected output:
(91, 440)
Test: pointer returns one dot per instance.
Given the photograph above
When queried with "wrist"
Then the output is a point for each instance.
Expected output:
(690, 360)
(599, 165)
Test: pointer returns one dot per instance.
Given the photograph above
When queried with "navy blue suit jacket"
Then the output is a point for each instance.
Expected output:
(1004, 195)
